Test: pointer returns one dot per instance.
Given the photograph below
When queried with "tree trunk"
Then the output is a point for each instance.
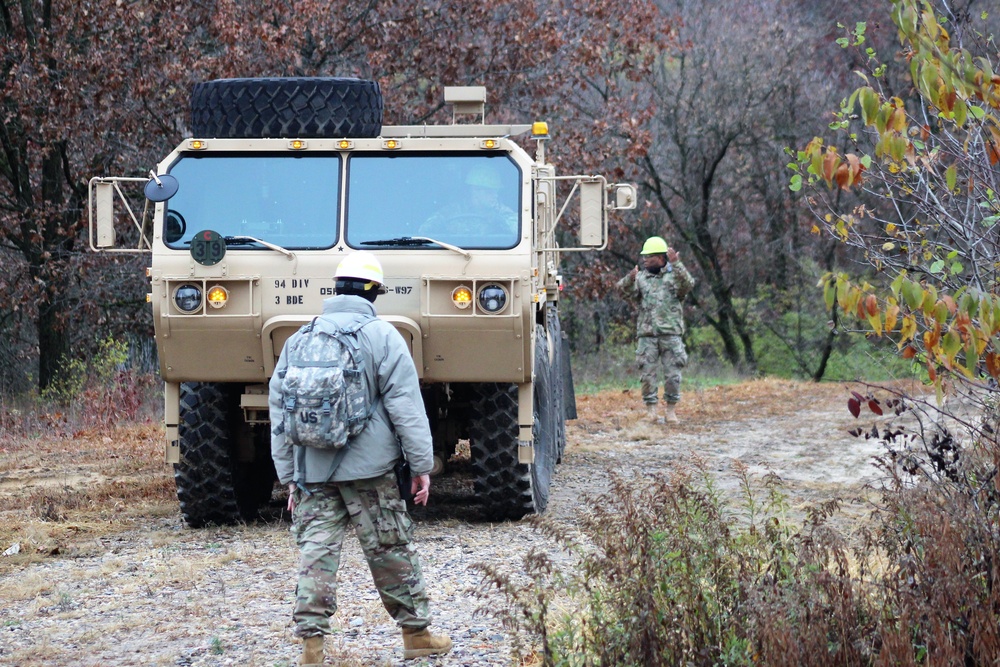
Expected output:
(53, 345)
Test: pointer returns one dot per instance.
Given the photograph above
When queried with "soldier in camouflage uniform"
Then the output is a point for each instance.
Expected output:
(360, 490)
(660, 286)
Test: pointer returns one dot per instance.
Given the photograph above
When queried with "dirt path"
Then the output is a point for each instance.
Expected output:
(135, 586)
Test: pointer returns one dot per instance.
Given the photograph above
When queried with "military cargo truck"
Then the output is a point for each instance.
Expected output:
(245, 222)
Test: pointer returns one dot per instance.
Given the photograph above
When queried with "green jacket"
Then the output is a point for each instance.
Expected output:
(661, 298)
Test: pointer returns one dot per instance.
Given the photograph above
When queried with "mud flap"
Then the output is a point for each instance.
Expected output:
(525, 420)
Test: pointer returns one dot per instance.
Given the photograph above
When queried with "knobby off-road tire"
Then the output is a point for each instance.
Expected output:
(506, 488)
(298, 107)
(213, 487)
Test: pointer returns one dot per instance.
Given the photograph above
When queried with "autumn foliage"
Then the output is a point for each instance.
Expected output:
(916, 196)
(101, 88)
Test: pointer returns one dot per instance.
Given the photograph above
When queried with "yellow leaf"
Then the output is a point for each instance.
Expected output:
(876, 323)
(891, 313)
(908, 329)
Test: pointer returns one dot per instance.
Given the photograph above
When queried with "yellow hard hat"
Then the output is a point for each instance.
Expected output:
(654, 245)
(362, 266)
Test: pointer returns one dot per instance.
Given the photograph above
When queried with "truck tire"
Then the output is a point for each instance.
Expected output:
(506, 488)
(212, 486)
(299, 107)
(544, 429)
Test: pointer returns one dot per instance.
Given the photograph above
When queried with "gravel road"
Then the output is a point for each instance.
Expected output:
(163, 594)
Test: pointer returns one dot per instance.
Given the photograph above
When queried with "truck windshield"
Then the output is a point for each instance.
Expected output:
(472, 201)
(290, 201)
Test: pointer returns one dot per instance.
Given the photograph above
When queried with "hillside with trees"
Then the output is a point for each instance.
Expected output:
(696, 104)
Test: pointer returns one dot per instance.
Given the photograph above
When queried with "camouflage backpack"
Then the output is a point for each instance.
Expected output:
(324, 392)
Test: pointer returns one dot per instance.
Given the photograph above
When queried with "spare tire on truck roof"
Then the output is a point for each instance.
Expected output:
(290, 107)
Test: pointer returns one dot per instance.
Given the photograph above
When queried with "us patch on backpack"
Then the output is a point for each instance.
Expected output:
(324, 393)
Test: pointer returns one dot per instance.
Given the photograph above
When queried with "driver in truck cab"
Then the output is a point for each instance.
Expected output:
(477, 209)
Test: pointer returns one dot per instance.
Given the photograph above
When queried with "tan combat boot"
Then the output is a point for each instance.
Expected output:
(312, 651)
(670, 415)
(417, 643)
(651, 413)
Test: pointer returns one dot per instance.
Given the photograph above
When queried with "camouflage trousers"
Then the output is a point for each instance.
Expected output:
(385, 530)
(661, 357)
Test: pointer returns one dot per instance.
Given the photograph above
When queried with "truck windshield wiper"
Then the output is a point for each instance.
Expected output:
(401, 241)
(404, 241)
(248, 240)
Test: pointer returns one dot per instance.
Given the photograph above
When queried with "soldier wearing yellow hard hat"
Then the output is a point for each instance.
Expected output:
(660, 287)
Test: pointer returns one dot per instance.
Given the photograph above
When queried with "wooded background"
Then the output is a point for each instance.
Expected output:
(695, 101)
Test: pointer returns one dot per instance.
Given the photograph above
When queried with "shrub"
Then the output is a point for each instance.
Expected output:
(671, 572)
(96, 392)
(938, 526)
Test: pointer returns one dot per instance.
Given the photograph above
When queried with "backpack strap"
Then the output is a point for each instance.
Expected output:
(352, 337)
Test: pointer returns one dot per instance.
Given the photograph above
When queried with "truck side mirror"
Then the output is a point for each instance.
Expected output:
(592, 217)
(104, 204)
(160, 188)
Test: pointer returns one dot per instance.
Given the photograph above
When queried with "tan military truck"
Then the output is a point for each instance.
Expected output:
(246, 221)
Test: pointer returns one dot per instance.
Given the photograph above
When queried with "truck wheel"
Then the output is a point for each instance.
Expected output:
(508, 489)
(501, 483)
(544, 431)
(299, 107)
(212, 487)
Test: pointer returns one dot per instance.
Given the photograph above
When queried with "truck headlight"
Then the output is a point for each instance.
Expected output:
(492, 298)
(187, 298)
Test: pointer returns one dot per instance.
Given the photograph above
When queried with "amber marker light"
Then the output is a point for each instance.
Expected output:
(197, 144)
(391, 144)
(345, 145)
(539, 130)
(462, 297)
(296, 144)
(218, 296)
(490, 144)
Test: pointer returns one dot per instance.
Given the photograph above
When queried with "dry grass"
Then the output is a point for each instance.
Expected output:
(63, 495)
(705, 408)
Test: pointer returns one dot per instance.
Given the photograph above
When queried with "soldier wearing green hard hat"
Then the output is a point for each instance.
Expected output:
(660, 287)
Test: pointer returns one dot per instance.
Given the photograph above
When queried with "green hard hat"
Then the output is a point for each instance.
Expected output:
(654, 245)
